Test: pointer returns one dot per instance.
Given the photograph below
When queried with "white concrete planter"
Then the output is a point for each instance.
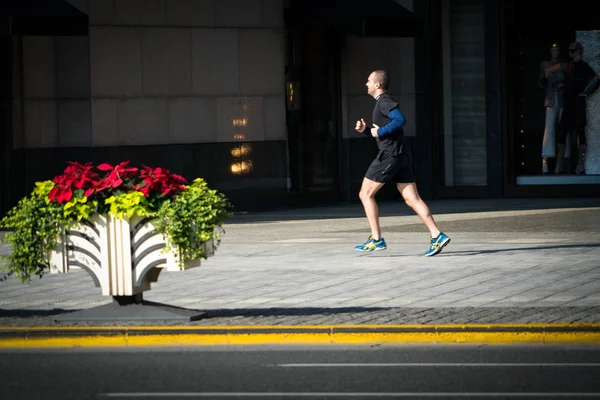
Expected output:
(123, 256)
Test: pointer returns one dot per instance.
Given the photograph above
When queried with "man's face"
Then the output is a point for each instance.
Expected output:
(573, 51)
(555, 52)
(372, 85)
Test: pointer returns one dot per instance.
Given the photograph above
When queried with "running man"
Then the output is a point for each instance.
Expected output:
(392, 163)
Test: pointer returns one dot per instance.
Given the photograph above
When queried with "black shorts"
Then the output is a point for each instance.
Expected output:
(395, 168)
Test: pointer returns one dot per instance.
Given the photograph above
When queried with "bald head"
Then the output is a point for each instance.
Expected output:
(377, 83)
(382, 78)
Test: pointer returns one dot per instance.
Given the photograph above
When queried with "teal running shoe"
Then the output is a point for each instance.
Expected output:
(437, 244)
(372, 245)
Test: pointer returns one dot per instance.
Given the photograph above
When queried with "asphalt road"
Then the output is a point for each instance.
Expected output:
(301, 372)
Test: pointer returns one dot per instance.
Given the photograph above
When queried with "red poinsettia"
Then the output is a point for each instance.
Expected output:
(76, 176)
(117, 176)
(160, 180)
(81, 179)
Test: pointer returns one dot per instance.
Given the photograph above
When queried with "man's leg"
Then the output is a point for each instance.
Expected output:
(548, 141)
(580, 129)
(561, 136)
(367, 196)
(413, 200)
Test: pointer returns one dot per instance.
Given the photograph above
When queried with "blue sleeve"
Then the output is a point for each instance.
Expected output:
(398, 121)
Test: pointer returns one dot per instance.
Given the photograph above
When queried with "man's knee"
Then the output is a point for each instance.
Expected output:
(366, 193)
(412, 201)
(410, 195)
(369, 189)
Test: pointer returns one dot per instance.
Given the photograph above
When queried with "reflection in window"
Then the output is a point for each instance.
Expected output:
(241, 164)
(240, 122)
(242, 167)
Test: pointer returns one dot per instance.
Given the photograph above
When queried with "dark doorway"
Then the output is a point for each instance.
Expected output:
(313, 109)
(5, 120)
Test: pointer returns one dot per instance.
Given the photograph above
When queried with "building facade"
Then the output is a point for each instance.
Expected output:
(260, 97)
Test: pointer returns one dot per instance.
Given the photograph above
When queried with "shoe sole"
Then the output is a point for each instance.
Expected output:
(370, 251)
(439, 249)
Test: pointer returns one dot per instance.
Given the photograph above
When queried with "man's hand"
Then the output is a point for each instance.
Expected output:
(360, 125)
(583, 95)
(374, 130)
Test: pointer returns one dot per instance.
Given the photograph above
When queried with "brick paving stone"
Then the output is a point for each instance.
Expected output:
(510, 260)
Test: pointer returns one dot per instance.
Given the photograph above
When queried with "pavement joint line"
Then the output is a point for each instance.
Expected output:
(512, 295)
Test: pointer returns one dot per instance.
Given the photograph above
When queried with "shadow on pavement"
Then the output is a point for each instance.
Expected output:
(341, 315)
(17, 314)
(491, 251)
(290, 311)
(450, 253)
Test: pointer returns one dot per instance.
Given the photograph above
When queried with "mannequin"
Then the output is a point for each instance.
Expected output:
(551, 78)
(574, 120)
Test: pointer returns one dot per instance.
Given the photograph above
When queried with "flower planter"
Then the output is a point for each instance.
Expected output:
(123, 256)
(108, 237)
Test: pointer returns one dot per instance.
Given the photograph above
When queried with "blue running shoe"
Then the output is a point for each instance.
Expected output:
(437, 244)
(372, 245)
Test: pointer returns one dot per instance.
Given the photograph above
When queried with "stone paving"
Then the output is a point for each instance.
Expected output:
(510, 261)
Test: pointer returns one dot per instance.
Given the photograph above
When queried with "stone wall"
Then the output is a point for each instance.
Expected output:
(158, 72)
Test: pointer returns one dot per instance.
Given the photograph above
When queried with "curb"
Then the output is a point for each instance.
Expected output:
(46, 337)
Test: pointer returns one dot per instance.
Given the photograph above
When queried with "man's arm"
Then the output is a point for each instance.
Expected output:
(397, 122)
(362, 127)
(367, 131)
(593, 82)
(543, 80)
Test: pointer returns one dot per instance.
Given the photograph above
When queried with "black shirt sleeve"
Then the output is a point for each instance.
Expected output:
(543, 81)
(589, 70)
(589, 74)
(386, 105)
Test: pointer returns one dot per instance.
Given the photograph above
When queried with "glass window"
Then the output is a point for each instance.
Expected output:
(546, 148)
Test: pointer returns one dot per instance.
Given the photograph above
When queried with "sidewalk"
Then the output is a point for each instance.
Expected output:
(510, 261)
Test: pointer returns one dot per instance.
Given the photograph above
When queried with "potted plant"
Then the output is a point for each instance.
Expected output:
(122, 224)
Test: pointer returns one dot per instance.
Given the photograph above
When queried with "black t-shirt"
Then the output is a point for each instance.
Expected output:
(392, 142)
(577, 78)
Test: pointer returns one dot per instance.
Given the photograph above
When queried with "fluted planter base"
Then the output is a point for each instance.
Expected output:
(123, 257)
